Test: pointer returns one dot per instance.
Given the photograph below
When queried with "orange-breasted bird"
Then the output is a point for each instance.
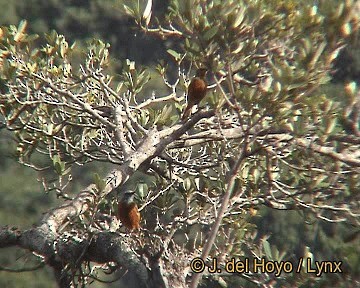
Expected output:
(128, 212)
(196, 91)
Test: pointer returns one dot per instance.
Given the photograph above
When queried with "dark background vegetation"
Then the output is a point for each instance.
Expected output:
(22, 200)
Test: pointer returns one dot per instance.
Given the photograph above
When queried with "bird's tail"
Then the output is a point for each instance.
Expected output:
(187, 112)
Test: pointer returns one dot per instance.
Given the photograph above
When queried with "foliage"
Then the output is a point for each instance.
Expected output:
(270, 135)
(82, 21)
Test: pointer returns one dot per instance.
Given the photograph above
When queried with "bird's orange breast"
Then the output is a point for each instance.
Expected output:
(129, 215)
(196, 92)
(197, 88)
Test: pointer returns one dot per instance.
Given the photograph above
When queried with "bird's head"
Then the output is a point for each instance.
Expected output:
(128, 197)
(201, 72)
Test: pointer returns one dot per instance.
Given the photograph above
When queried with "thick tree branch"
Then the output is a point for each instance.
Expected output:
(103, 247)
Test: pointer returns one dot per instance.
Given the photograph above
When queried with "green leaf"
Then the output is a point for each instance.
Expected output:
(317, 55)
(189, 7)
(59, 166)
(129, 11)
(245, 171)
(30, 38)
(99, 182)
(330, 125)
(22, 26)
(66, 171)
(50, 128)
(165, 114)
(267, 250)
(144, 117)
(209, 34)
(142, 189)
(175, 54)
(187, 184)
(63, 48)
(239, 18)
(19, 36)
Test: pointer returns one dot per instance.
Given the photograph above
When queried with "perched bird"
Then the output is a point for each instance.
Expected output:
(196, 91)
(128, 212)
